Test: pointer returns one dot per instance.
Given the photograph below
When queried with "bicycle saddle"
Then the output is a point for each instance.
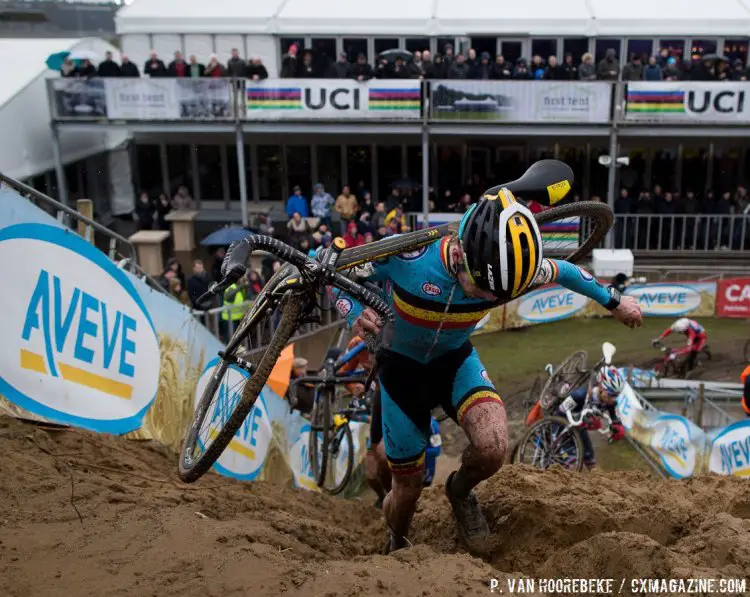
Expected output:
(546, 182)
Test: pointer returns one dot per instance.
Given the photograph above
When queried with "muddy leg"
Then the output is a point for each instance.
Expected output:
(400, 504)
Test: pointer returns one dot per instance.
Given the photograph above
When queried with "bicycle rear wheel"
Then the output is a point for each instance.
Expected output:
(572, 231)
(571, 373)
(232, 390)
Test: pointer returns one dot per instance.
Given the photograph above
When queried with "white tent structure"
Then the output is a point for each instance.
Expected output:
(27, 148)
(253, 27)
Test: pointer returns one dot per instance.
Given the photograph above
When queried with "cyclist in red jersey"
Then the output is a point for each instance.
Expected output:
(696, 338)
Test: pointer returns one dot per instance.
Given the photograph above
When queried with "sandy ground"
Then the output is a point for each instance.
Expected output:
(86, 514)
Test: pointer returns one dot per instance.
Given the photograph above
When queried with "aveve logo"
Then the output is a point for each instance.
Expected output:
(80, 346)
(550, 304)
(243, 458)
(672, 442)
(665, 299)
(299, 461)
(730, 451)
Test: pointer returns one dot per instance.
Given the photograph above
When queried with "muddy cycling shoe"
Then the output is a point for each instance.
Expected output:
(392, 544)
(471, 521)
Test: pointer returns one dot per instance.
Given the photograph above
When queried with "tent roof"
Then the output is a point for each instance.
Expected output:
(680, 18)
(27, 58)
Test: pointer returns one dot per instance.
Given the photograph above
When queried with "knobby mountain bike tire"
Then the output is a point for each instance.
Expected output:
(548, 423)
(191, 469)
(599, 214)
(344, 441)
(320, 427)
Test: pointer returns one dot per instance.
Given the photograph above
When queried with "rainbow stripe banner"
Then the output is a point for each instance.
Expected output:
(656, 101)
(332, 99)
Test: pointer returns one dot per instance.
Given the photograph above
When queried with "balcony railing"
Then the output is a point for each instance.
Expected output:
(402, 100)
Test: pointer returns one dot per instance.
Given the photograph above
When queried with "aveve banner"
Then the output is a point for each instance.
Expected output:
(733, 298)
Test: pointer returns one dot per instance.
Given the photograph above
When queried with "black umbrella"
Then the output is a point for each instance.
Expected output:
(715, 58)
(391, 55)
(405, 183)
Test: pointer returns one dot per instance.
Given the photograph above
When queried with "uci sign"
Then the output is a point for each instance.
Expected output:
(79, 345)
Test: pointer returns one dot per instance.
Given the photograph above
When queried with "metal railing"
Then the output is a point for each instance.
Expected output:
(700, 233)
(120, 249)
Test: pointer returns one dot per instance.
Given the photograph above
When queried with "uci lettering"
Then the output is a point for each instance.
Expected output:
(338, 99)
(49, 313)
(735, 456)
(556, 301)
(672, 441)
(723, 102)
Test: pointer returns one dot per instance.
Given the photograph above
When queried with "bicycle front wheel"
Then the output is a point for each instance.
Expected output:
(321, 422)
(340, 459)
(572, 231)
(551, 441)
(232, 389)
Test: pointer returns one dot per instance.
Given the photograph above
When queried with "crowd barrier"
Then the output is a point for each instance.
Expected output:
(682, 448)
(726, 298)
(89, 344)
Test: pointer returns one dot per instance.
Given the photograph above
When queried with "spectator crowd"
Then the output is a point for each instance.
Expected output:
(665, 66)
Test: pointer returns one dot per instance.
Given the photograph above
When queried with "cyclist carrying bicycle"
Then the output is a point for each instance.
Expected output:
(696, 338)
(439, 293)
(603, 395)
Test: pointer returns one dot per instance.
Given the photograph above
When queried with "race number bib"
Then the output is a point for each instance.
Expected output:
(568, 404)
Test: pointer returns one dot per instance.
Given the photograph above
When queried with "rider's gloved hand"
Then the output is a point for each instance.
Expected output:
(593, 423)
(655, 342)
(617, 430)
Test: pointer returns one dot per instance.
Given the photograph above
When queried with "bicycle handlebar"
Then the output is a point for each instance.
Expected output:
(239, 254)
(586, 412)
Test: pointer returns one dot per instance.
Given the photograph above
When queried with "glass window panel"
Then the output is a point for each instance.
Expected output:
(511, 50)
(209, 172)
(298, 168)
(576, 46)
(270, 172)
(324, 52)
(385, 43)
(355, 46)
(485, 44)
(329, 168)
(358, 161)
(417, 44)
(604, 44)
(445, 41)
(544, 48)
(672, 47)
(701, 47)
(641, 48)
(285, 42)
(179, 163)
(389, 168)
(736, 49)
(149, 168)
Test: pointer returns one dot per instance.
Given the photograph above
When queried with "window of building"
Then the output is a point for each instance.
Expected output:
(324, 52)
(148, 161)
(389, 168)
(384, 44)
(210, 173)
(329, 168)
(445, 41)
(179, 163)
(353, 47)
(576, 46)
(298, 168)
(484, 44)
(604, 44)
(544, 48)
(358, 163)
(234, 175)
(270, 172)
(675, 47)
(701, 47)
(642, 48)
(417, 44)
(511, 50)
(285, 42)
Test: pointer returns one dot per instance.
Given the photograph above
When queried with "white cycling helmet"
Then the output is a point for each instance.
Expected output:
(681, 325)
(611, 380)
